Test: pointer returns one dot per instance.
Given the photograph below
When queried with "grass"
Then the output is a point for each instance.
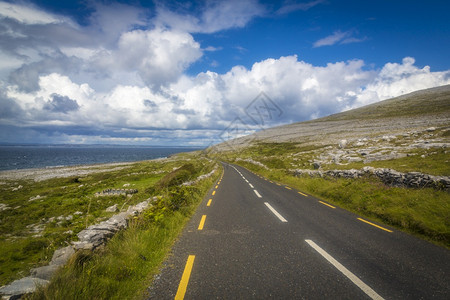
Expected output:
(125, 267)
(54, 212)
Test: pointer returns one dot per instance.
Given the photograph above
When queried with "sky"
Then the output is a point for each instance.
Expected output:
(195, 73)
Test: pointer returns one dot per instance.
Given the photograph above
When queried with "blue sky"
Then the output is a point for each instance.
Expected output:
(183, 72)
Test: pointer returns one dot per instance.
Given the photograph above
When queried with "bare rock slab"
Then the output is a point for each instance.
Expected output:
(45, 272)
(61, 256)
(21, 287)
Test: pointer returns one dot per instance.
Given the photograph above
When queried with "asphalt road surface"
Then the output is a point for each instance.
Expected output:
(255, 239)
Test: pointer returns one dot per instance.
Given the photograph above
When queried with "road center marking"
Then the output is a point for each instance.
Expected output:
(185, 278)
(358, 282)
(213, 193)
(251, 185)
(209, 202)
(257, 194)
(370, 223)
(327, 204)
(202, 223)
(217, 186)
(275, 212)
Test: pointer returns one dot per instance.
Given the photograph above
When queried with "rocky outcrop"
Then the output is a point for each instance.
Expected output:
(387, 176)
(253, 162)
(115, 192)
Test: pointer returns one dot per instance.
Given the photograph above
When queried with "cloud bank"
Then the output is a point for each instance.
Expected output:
(127, 82)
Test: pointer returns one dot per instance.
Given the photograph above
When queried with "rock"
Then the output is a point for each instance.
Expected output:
(316, 165)
(61, 256)
(112, 208)
(17, 188)
(78, 213)
(4, 207)
(342, 144)
(126, 185)
(431, 129)
(21, 287)
(45, 272)
(388, 138)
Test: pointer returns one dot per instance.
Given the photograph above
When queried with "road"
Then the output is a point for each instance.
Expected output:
(255, 239)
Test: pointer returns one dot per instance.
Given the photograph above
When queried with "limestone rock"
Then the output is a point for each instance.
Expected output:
(342, 143)
(45, 272)
(112, 208)
(61, 256)
(21, 287)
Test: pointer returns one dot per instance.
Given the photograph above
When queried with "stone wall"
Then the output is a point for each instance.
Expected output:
(387, 176)
(89, 239)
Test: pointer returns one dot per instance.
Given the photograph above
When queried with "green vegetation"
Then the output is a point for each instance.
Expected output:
(127, 264)
(43, 216)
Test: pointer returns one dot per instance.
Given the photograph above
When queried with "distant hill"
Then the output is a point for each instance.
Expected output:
(412, 112)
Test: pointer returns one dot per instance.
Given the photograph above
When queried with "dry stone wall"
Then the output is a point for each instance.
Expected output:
(387, 176)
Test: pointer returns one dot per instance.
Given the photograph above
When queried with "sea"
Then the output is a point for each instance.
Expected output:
(15, 157)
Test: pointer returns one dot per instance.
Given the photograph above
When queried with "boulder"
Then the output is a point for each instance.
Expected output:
(23, 286)
(45, 272)
(112, 208)
(342, 143)
(61, 256)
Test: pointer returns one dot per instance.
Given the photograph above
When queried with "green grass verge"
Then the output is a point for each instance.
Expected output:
(124, 269)
(422, 212)
(68, 205)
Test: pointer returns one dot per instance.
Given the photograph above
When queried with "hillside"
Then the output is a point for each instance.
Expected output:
(413, 112)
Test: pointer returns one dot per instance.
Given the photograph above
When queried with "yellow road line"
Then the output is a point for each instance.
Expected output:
(209, 202)
(303, 194)
(370, 223)
(327, 204)
(213, 193)
(288, 188)
(202, 223)
(182, 287)
(217, 186)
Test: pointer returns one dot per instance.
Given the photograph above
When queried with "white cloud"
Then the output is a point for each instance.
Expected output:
(28, 14)
(160, 56)
(214, 16)
(338, 37)
(396, 79)
(209, 102)
(291, 6)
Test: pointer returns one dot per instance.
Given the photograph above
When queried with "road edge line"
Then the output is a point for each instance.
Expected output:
(182, 287)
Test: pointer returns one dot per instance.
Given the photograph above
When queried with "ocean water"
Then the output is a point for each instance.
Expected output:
(43, 156)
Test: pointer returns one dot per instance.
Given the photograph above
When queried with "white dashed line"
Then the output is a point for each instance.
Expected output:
(275, 212)
(257, 194)
(251, 185)
(364, 287)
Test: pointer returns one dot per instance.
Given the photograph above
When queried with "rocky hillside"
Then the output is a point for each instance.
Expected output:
(409, 115)
(408, 133)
